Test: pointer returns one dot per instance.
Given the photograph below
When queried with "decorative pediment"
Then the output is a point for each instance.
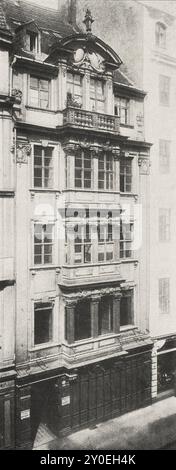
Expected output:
(85, 50)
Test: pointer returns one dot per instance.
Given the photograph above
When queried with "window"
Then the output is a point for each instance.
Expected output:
(39, 93)
(121, 109)
(43, 313)
(32, 42)
(164, 295)
(74, 87)
(82, 320)
(126, 175)
(164, 156)
(164, 90)
(97, 98)
(126, 308)
(105, 237)
(164, 225)
(43, 243)
(160, 35)
(83, 169)
(82, 240)
(105, 316)
(105, 172)
(126, 238)
(43, 167)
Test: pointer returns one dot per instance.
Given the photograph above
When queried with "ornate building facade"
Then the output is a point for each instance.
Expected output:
(74, 173)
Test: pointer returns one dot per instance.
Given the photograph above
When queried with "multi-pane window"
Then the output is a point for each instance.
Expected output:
(83, 169)
(164, 295)
(82, 321)
(121, 109)
(82, 240)
(43, 322)
(105, 172)
(97, 96)
(39, 92)
(43, 243)
(164, 225)
(164, 156)
(105, 316)
(74, 87)
(105, 237)
(160, 35)
(126, 175)
(43, 167)
(164, 90)
(126, 308)
(126, 239)
(32, 42)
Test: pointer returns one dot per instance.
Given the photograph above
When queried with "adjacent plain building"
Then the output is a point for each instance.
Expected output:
(74, 222)
(145, 34)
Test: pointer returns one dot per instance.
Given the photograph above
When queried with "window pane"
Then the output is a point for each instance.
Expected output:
(82, 321)
(105, 316)
(42, 323)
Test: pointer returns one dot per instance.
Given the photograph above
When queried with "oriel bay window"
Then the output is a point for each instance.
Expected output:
(105, 237)
(74, 88)
(43, 322)
(97, 95)
(126, 175)
(105, 316)
(82, 240)
(43, 243)
(39, 92)
(126, 239)
(105, 172)
(83, 169)
(126, 308)
(43, 167)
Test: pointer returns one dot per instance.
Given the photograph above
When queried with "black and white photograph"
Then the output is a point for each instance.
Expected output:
(87, 229)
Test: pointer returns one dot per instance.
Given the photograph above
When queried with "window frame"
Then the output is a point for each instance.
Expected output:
(164, 297)
(128, 295)
(119, 108)
(51, 322)
(164, 91)
(84, 241)
(164, 224)
(94, 108)
(108, 183)
(124, 162)
(43, 244)
(105, 228)
(160, 39)
(39, 91)
(105, 305)
(43, 167)
(81, 155)
(164, 156)
(75, 96)
(126, 242)
(76, 312)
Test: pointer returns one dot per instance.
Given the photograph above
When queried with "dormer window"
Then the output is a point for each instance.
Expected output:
(32, 42)
(160, 35)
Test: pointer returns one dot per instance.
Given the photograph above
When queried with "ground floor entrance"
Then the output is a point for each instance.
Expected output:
(83, 397)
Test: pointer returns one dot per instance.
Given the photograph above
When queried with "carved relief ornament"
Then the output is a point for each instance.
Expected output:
(23, 151)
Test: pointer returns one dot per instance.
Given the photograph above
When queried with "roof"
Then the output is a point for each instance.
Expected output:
(121, 78)
(3, 25)
(46, 18)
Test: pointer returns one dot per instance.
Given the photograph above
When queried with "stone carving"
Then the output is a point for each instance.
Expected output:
(85, 294)
(17, 94)
(23, 152)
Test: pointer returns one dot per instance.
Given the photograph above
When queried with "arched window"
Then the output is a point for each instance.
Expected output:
(160, 35)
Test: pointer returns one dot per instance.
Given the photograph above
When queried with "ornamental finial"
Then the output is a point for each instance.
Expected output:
(88, 20)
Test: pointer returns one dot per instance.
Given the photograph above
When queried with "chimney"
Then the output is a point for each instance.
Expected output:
(67, 9)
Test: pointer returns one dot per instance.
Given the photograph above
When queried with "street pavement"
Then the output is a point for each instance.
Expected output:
(153, 427)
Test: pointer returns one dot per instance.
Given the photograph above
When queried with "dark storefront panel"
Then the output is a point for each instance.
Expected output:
(166, 368)
(103, 391)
